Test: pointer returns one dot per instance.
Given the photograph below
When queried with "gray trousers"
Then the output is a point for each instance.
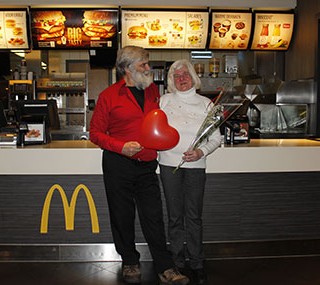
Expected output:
(184, 192)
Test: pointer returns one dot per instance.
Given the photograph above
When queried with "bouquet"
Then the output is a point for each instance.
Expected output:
(218, 112)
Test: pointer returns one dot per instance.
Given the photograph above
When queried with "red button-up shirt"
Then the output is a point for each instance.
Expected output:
(117, 118)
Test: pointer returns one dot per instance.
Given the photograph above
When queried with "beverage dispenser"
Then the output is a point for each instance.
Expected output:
(160, 70)
(69, 90)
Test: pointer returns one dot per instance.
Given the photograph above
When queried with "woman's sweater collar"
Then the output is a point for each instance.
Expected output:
(186, 94)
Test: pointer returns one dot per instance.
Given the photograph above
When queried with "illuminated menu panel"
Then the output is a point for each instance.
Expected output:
(74, 28)
(165, 29)
(272, 31)
(230, 30)
(13, 30)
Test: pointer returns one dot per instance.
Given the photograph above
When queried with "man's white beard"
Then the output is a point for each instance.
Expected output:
(142, 79)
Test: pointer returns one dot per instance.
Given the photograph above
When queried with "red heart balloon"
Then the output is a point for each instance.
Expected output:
(156, 133)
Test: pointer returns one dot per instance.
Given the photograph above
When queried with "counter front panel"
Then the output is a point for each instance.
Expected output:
(53, 194)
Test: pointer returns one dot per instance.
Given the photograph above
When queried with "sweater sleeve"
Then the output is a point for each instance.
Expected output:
(212, 143)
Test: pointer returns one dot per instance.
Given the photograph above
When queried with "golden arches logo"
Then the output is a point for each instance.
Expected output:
(69, 209)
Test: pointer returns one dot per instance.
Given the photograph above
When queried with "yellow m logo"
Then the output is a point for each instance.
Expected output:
(69, 210)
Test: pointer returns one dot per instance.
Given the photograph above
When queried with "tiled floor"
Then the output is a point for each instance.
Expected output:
(269, 271)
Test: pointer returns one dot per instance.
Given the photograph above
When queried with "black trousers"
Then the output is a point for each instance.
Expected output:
(133, 185)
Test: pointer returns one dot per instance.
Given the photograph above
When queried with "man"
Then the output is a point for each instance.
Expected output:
(129, 169)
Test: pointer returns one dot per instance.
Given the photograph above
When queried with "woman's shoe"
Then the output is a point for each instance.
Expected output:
(173, 277)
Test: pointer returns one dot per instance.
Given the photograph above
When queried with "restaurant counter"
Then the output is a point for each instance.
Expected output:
(83, 157)
(265, 190)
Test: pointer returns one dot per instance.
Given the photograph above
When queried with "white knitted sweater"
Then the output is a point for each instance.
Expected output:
(186, 112)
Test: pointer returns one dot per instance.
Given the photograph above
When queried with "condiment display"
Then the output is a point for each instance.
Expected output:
(165, 29)
(74, 28)
(199, 68)
(230, 30)
(273, 31)
(13, 30)
(214, 67)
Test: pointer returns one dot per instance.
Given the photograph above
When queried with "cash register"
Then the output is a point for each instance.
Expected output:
(36, 119)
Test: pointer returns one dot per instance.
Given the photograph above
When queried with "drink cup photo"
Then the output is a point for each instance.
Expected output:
(226, 24)
(216, 27)
(222, 32)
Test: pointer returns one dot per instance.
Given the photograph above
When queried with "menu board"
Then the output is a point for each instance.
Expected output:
(165, 29)
(272, 31)
(74, 28)
(230, 30)
(13, 30)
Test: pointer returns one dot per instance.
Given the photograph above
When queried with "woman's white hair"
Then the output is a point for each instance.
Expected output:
(177, 65)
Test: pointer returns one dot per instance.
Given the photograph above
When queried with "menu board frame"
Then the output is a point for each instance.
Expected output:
(79, 28)
(17, 34)
(167, 29)
(230, 30)
(272, 38)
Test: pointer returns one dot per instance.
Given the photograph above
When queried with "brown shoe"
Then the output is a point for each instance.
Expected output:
(173, 277)
(131, 273)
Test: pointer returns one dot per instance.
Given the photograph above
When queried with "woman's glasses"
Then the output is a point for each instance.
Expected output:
(182, 75)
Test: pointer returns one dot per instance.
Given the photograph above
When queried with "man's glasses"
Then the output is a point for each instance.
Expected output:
(183, 75)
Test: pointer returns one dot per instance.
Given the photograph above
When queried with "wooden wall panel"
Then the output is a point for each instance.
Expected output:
(262, 206)
(237, 207)
(301, 57)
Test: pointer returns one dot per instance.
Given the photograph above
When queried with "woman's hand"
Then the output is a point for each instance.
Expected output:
(192, 155)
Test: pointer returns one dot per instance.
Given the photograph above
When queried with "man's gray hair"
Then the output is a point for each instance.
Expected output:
(177, 65)
(129, 55)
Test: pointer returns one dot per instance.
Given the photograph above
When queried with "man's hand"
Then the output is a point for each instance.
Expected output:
(131, 148)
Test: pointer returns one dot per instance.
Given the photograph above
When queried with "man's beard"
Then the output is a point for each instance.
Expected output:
(142, 80)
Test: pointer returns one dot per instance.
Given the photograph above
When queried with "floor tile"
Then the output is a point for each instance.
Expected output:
(254, 271)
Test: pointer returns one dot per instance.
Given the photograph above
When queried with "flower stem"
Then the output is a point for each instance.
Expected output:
(177, 168)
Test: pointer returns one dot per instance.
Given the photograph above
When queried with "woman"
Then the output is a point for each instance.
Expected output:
(184, 189)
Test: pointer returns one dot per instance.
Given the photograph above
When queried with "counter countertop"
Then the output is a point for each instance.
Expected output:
(83, 157)
(253, 143)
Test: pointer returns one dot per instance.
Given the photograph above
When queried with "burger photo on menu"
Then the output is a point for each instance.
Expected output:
(137, 32)
(48, 24)
(158, 40)
(97, 24)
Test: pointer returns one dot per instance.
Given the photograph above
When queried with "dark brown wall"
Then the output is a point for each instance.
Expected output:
(237, 207)
(301, 57)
